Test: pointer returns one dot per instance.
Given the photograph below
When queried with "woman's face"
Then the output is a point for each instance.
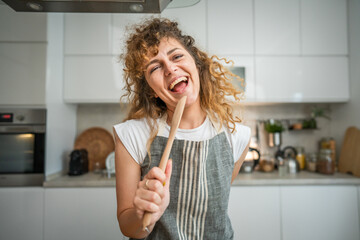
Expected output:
(172, 73)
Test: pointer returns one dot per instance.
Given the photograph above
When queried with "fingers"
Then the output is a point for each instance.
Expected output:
(150, 193)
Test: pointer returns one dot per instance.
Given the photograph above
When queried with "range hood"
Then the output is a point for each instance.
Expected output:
(89, 6)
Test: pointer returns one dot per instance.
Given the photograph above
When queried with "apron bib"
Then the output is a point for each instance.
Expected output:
(199, 188)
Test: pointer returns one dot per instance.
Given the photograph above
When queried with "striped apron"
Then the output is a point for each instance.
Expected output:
(199, 188)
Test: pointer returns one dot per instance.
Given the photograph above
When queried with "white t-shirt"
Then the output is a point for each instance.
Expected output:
(135, 133)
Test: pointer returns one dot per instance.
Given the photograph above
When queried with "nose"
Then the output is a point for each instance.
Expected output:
(169, 68)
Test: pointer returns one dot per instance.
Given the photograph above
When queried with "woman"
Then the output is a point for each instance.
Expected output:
(189, 199)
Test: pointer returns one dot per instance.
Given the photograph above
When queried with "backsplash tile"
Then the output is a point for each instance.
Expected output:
(106, 115)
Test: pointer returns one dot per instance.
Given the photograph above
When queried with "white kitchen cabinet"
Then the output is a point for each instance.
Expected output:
(255, 212)
(319, 213)
(192, 21)
(93, 79)
(243, 67)
(120, 23)
(21, 213)
(22, 73)
(81, 213)
(89, 33)
(230, 27)
(21, 26)
(306, 79)
(324, 27)
(277, 27)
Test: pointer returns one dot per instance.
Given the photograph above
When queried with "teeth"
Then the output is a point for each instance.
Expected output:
(172, 85)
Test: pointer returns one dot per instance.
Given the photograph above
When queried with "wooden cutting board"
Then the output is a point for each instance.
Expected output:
(349, 161)
(98, 142)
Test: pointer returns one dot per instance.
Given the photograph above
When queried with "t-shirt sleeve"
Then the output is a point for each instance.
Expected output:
(133, 134)
(240, 140)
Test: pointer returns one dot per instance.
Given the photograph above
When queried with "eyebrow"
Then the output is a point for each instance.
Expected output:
(156, 60)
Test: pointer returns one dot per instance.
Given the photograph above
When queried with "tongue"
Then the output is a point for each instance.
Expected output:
(178, 87)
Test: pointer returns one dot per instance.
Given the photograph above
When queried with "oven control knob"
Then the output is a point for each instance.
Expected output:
(20, 118)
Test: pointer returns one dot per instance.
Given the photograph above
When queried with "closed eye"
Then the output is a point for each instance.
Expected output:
(177, 56)
(154, 68)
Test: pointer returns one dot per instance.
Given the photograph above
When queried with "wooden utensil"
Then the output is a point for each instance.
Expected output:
(164, 158)
(349, 161)
(98, 142)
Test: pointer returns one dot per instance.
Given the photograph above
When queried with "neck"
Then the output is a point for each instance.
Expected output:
(193, 116)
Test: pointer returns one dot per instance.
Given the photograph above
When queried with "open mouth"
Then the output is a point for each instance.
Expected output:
(179, 84)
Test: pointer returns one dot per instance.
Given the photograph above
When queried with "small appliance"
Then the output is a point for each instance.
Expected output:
(79, 163)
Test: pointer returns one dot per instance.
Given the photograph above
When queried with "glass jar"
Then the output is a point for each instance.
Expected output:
(311, 161)
(325, 163)
(300, 157)
(329, 143)
(267, 163)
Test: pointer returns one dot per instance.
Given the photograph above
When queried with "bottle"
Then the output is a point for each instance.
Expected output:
(300, 157)
(325, 163)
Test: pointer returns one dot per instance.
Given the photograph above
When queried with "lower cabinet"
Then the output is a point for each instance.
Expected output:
(21, 213)
(255, 213)
(320, 212)
(295, 212)
(81, 213)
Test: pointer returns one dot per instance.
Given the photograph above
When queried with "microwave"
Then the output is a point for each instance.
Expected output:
(22, 147)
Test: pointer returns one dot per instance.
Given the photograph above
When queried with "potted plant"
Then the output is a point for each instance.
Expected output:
(315, 113)
(274, 129)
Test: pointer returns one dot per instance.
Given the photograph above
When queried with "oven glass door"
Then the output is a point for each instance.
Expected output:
(21, 153)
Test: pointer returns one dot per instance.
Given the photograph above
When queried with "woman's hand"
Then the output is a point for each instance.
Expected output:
(152, 194)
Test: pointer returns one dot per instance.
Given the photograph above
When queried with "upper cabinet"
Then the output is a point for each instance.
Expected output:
(93, 79)
(277, 27)
(324, 27)
(282, 48)
(87, 34)
(230, 27)
(21, 26)
(119, 24)
(192, 21)
(22, 73)
(300, 27)
(306, 79)
(23, 43)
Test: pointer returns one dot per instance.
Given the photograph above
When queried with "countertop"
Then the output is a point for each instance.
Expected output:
(243, 179)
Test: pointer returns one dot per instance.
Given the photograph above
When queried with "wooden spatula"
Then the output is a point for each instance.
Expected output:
(164, 158)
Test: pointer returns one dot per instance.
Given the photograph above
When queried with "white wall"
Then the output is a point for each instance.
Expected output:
(61, 117)
(346, 115)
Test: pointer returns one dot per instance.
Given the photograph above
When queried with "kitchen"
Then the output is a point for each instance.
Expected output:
(71, 62)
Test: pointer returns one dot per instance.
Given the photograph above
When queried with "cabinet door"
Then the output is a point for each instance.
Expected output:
(87, 33)
(255, 212)
(192, 21)
(92, 79)
(230, 27)
(22, 73)
(319, 213)
(244, 68)
(277, 27)
(21, 213)
(120, 23)
(21, 27)
(307, 79)
(81, 213)
(324, 27)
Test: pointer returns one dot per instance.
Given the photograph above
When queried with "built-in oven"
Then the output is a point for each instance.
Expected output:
(22, 147)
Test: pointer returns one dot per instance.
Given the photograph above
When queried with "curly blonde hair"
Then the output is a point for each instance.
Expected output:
(215, 79)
